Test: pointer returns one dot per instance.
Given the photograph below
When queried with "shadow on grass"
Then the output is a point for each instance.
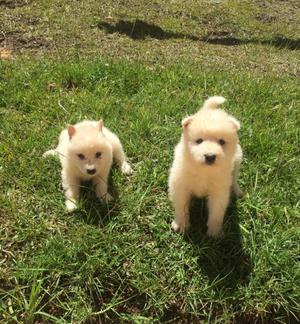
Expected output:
(222, 259)
(12, 4)
(140, 30)
(279, 41)
(103, 292)
(94, 211)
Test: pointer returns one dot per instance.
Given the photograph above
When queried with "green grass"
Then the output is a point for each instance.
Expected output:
(257, 36)
(142, 66)
(122, 262)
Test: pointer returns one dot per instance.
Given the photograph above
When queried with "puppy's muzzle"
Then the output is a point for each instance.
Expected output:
(210, 158)
(91, 171)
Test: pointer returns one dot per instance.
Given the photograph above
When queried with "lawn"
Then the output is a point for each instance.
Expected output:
(121, 262)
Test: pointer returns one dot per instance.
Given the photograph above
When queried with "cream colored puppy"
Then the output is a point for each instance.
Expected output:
(86, 152)
(206, 164)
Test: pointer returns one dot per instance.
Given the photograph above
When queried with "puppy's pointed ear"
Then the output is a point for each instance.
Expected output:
(186, 121)
(101, 125)
(236, 124)
(71, 131)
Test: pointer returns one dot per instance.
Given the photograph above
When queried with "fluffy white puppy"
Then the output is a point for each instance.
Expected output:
(86, 151)
(206, 164)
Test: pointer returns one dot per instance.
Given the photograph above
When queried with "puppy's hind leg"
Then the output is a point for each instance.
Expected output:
(50, 153)
(235, 174)
(235, 186)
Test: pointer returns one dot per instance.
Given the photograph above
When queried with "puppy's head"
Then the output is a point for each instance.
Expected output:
(210, 136)
(88, 148)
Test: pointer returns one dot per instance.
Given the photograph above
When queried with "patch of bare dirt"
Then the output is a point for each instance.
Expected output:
(27, 20)
(266, 19)
(18, 41)
(12, 4)
(282, 10)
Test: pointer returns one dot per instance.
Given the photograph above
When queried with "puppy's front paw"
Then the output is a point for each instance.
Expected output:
(214, 231)
(179, 228)
(71, 205)
(126, 168)
(107, 198)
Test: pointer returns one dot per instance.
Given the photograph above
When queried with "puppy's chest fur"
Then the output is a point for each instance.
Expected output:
(204, 180)
(199, 180)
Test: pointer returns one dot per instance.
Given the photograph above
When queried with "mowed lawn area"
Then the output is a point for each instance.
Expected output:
(142, 68)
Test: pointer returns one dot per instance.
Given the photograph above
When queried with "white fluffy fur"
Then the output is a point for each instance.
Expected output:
(86, 139)
(192, 175)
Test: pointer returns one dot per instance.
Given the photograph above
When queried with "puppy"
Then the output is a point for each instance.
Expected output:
(206, 164)
(86, 152)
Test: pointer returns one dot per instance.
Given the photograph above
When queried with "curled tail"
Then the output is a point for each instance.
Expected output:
(213, 102)
(50, 153)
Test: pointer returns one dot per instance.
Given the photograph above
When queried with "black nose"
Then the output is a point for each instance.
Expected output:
(91, 171)
(210, 158)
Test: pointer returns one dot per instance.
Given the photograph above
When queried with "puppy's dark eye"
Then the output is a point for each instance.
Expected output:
(221, 142)
(199, 140)
(98, 154)
(81, 156)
